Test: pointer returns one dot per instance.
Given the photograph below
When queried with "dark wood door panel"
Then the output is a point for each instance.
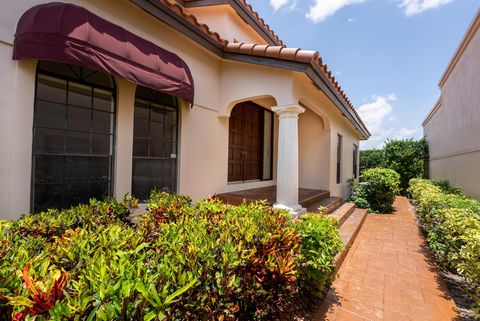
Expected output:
(245, 142)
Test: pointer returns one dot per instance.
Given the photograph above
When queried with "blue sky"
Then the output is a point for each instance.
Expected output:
(388, 55)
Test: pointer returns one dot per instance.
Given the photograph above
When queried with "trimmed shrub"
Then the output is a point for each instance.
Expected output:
(377, 190)
(452, 225)
(208, 261)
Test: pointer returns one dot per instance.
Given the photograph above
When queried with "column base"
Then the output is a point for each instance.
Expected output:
(295, 210)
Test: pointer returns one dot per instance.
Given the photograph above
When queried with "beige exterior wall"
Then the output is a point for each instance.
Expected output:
(203, 135)
(334, 123)
(227, 23)
(314, 151)
(453, 127)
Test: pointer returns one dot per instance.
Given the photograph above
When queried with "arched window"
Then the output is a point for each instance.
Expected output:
(73, 135)
(155, 143)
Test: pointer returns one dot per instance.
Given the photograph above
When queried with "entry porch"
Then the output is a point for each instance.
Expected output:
(311, 199)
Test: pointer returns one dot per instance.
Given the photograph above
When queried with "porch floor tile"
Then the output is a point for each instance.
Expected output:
(387, 275)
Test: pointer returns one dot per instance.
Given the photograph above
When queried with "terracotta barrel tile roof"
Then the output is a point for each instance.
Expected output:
(279, 52)
(276, 52)
(179, 10)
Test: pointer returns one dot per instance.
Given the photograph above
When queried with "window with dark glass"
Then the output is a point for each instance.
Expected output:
(154, 143)
(339, 158)
(355, 161)
(73, 135)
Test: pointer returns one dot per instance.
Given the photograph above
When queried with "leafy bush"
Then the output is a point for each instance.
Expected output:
(371, 158)
(447, 188)
(377, 189)
(406, 157)
(452, 224)
(320, 242)
(178, 262)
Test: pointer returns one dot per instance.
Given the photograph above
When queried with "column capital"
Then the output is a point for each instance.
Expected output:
(288, 111)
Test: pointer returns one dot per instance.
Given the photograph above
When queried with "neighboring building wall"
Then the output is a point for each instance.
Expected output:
(453, 127)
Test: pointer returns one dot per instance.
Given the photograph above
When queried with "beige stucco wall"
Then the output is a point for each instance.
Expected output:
(453, 130)
(314, 150)
(227, 23)
(203, 147)
(334, 123)
(16, 110)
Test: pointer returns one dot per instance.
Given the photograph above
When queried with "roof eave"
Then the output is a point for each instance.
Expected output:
(243, 12)
(165, 14)
(432, 112)
(314, 73)
(468, 36)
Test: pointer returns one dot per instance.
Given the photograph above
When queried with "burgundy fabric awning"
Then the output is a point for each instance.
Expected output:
(72, 34)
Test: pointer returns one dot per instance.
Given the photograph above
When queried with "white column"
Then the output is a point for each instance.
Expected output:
(124, 147)
(287, 163)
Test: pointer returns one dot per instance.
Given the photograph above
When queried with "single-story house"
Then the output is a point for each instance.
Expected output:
(452, 127)
(200, 97)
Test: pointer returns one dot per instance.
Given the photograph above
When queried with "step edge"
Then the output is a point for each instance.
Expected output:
(347, 246)
(311, 200)
(342, 217)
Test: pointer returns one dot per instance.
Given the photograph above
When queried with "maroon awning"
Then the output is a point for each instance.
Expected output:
(72, 34)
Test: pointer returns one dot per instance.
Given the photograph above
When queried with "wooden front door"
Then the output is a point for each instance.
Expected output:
(245, 142)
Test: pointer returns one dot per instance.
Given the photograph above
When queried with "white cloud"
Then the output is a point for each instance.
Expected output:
(413, 7)
(277, 4)
(378, 115)
(374, 113)
(323, 9)
(350, 20)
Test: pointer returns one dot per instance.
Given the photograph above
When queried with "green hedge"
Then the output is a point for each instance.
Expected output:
(452, 224)
(377, 190)
(178, 262)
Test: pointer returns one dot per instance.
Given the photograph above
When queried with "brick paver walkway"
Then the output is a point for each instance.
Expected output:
(386, 275)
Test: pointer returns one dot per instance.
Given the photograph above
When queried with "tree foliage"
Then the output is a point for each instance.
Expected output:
(406, 156)
(371, 158)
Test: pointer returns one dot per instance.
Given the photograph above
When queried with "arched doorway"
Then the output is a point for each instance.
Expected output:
(73, 135)
(250, 143)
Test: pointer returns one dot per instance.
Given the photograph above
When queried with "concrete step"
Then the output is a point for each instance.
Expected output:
(314, 198)
(330, 203)
(343, 212)
(348, 231)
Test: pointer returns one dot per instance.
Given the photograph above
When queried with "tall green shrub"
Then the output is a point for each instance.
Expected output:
(406, 157)
(371, 158)
(377, 189)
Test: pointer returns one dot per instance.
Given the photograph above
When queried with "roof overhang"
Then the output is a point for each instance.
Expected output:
(245, 11)
(469, 34)
(432, 112)
(168, 13)
(313, 71)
